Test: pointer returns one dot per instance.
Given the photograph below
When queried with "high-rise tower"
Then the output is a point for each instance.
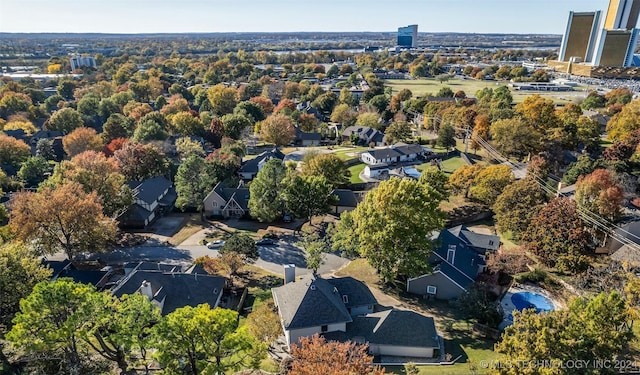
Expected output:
(579, 39)
(618, 38)
(622, 14)
(408, 36)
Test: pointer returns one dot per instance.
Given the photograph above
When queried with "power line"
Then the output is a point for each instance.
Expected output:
(619, 234)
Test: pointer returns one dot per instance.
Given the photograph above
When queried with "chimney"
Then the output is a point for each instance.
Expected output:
(145, 289)
(289, 273)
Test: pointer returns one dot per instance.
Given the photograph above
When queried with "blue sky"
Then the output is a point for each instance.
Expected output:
(141, 16)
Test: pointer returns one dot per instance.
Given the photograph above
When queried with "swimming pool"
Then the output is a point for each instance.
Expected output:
(530, 300)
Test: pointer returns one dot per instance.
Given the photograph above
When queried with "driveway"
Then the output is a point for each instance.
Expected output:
(274, 257)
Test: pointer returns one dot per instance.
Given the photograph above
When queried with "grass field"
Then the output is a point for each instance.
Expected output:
(355, 173)
(422, 87)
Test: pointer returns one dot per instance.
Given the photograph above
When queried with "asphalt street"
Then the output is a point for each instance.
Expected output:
(272, 257)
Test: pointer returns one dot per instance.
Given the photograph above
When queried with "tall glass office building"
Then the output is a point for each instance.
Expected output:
(408, 36)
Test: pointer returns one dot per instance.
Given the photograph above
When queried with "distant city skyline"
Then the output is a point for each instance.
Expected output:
(186, 16)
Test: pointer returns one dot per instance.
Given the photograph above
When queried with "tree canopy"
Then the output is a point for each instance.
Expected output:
(66, 219)
(392, 227)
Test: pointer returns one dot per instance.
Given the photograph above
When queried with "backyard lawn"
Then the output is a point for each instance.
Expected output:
(355, 173)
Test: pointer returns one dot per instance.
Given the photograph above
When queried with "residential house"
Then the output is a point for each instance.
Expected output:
(394, 332)
(364, 135)
(306, 107)
(172, 289)
(347, 201)
(250, 168)
(460, 255)
(227, 202)
(400, 152)
(624, 252)
(380, 156)
(376, 171)
(151, 198)
(65, 268)
(343, 309)
(56, 142)
(307, 139)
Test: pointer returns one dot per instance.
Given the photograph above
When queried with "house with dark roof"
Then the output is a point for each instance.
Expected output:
(394, 332)
(363, 135)
(151, 198)
(65, 268)
(171, 290)
(460, 255)
(250, 168)
(307, 139)
(400, 152)
(347, 201)
(343, 309)
(227, 202)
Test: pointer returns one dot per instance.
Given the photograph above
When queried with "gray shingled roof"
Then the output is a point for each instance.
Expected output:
(346, 198)
(357, 292)
(252, 165)
(149, 190)
(383, 153)
(477, 240)
(408, 149)
(391, 327)
(310, 302)
(180, 289)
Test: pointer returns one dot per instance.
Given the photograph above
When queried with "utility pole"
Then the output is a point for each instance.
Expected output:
(467, 137)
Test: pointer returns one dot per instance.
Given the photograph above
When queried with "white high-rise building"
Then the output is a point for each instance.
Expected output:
(80, 61)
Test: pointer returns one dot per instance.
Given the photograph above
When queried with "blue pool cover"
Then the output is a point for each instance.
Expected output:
(530, 300)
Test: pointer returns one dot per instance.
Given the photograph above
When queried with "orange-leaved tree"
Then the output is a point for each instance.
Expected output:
(314, 355)
(65, 219)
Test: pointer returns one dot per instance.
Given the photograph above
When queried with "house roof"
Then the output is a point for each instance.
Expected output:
(346, 198)
(135, 213)
(477, 240)
(150, 189)
(364, 132)
(455, 274)
(408, 149)
(357, 292)
(154, 266)
(383, 153)
(310, 302)
(66, 269)
(390, 327)
(180, 289)
(304, 136)
(251, 166)
(56, 265)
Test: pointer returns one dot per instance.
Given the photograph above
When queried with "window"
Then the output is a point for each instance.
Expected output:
(431, 289)
(345, 298)
(451, 254)
(324, 328)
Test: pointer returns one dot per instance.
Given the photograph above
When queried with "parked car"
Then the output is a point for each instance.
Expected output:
(215, 244)
(266, 241)
(287, 218)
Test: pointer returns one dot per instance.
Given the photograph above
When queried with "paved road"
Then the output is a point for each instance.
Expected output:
(272, 258)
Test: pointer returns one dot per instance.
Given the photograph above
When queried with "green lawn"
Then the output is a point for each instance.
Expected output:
(355, 173)
(422, 87)
(349, 153)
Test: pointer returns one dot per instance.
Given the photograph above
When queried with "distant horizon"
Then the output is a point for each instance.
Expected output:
(289, 16)
(263, 32)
